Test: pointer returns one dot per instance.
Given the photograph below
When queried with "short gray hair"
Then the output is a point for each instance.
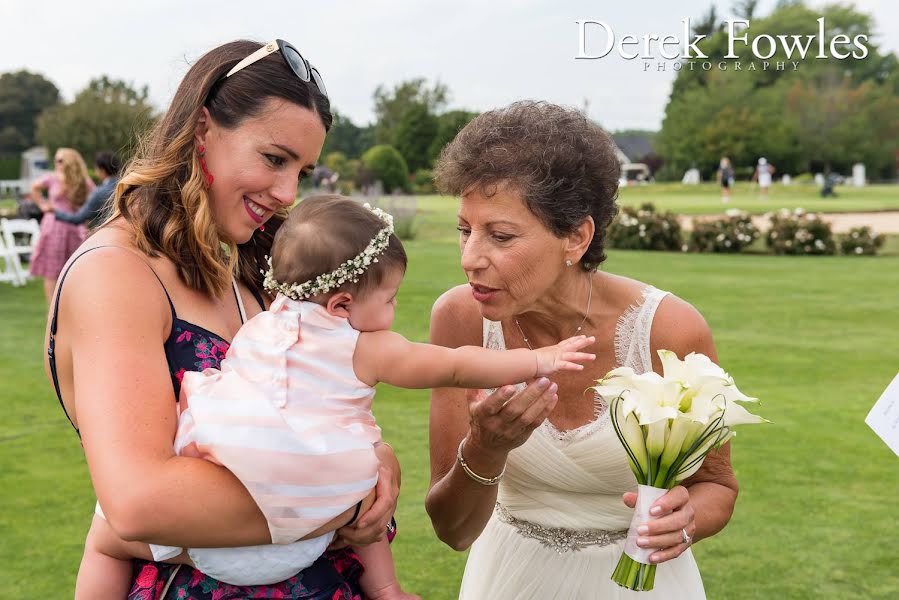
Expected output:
(563, 164)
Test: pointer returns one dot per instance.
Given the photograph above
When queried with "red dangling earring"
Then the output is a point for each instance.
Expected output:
(201, 152)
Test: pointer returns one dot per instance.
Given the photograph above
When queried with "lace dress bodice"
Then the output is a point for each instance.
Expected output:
(575, 478)
(557, 531)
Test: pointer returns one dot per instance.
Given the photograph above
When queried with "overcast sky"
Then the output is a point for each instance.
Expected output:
(489, 52)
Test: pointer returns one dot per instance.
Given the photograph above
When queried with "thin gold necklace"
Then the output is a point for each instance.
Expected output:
(579, 327)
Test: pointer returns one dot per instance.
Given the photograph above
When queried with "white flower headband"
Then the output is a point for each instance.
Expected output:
(348, 272)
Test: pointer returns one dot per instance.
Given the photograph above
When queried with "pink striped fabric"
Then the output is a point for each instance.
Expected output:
(288, 416)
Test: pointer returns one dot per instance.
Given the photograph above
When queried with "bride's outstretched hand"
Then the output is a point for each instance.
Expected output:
(675, 517)
(505, 419)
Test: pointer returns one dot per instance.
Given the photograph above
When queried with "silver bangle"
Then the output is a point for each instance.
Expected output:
(474, 476)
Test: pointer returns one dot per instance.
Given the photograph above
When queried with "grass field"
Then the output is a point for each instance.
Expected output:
(706, 198)
(814, 337)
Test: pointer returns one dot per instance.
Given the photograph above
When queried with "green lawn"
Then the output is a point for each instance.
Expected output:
(814, 337)
(706, 198)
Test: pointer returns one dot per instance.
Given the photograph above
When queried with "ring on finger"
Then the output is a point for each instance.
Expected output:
(686, 539)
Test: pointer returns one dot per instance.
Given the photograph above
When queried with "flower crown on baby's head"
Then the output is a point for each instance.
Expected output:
(348, 272)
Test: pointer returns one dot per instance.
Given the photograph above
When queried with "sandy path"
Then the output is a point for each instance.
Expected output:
(881, 222)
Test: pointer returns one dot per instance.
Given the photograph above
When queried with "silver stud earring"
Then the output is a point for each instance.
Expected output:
(568, 263)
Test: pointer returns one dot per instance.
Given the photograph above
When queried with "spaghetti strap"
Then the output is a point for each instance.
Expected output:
(51, 345)
(240, 308)
(258, 296)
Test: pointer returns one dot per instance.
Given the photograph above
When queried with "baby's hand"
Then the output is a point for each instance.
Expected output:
(560, 357)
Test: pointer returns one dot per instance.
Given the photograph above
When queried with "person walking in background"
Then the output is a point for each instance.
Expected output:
(763, 173)
(725, 178)
(107, 166)
(67, 188)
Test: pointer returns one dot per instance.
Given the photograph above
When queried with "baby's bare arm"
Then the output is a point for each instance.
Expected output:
(389, 357)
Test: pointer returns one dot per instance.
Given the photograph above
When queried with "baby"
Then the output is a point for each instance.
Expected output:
(289, 413)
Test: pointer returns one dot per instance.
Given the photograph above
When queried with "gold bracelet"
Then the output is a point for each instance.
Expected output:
(474, 476)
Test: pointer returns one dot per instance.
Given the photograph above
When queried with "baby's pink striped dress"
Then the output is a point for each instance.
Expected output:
(288, 416)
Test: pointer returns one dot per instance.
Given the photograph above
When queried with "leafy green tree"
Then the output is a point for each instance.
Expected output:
(709, 23)
(415, 133)
(392, 104)
(745, 9)
(12, 140)
(336, 161)
(788, 116)
(106, 115)
(449, 124)
(23, 96)
(114, 91)
(845, 123)
(347, 137)
(386, 165)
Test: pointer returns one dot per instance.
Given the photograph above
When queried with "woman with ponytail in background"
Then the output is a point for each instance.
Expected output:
(67, 188)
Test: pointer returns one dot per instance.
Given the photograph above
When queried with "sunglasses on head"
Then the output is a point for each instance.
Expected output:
(299, 65)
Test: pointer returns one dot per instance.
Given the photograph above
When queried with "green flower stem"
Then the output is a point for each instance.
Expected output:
(633, 575)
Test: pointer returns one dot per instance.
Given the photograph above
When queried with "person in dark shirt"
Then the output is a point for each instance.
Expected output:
(725, 178)
(107, 166)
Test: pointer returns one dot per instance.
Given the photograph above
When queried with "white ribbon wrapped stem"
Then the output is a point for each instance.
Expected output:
(646, 496)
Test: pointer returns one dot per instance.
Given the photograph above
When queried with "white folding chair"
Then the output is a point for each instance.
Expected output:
(8, 261)
(14, 249)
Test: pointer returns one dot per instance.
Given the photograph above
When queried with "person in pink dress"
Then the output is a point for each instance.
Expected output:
(289, 413)
(67, 188)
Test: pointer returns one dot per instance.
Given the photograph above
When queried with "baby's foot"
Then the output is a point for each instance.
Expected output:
(392, 592)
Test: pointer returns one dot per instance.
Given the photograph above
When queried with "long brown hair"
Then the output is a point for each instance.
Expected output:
(74, 176)
(162, 193)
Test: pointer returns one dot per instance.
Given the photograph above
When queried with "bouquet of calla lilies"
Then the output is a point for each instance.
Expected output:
(668, 424)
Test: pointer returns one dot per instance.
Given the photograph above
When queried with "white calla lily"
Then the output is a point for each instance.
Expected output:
(677, 437)
(667, 425)
(672, 367)
(735, 414)
(632, 438)
(656, 434)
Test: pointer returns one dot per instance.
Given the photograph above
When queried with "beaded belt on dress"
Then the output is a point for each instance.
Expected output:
(560, 539)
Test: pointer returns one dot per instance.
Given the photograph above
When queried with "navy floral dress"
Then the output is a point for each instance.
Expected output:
(334, 576)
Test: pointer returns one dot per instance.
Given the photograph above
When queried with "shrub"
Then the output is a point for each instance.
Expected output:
(423, 182)
(346, 188)
(336, 161)
(10, 166)
(799, 232)
(351, 168)
(861, 241)
(386, 165)
(645, 229)
(731, 233)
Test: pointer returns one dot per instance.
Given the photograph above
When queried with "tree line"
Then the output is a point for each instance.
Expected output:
(825, 115)
(411, 127)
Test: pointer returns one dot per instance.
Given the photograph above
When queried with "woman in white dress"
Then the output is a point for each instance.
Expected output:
(533, 478)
